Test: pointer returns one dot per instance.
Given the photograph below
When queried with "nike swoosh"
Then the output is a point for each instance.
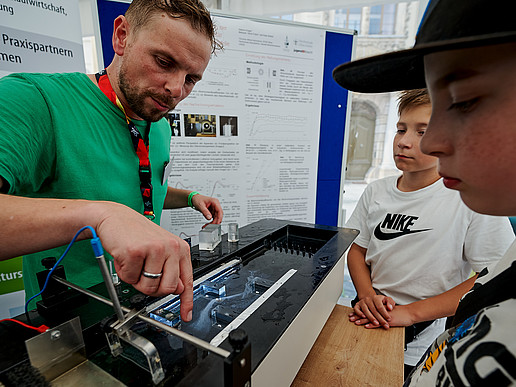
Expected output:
(383, 236)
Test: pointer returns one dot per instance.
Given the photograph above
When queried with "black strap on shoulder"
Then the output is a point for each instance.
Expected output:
(413, 330)
(499, 289)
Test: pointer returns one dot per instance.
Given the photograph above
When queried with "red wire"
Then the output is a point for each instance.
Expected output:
(40, 329)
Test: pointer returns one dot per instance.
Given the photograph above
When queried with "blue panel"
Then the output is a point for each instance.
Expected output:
(327, 205)
(333, 119)
(108, 12)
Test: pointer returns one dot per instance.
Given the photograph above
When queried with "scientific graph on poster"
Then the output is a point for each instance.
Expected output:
(265, 125)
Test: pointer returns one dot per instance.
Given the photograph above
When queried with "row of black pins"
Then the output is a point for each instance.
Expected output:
(299, 249)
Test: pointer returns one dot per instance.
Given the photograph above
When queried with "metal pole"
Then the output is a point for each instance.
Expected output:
(108, 280)
(173, 331)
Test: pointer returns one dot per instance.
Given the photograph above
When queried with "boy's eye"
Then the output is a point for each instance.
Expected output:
(401, 131)
(464, 106)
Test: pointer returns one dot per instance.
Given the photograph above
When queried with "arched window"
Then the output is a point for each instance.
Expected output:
(361, 139)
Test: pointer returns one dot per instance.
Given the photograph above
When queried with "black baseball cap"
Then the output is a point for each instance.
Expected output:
(446, 25)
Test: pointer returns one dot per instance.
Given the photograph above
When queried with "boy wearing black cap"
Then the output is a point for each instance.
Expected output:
(418, 242)
(466, 52)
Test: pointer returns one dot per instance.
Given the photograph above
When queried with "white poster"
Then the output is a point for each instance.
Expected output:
(35, 36)
(249, 133)
(40, 36)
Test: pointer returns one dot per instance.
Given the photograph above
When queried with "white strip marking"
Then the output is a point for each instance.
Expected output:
(251, 308)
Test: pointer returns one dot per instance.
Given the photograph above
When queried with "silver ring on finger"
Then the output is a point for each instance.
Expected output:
(151, 275)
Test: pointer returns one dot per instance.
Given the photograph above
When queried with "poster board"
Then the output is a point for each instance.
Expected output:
(39, 36)
(264, 130)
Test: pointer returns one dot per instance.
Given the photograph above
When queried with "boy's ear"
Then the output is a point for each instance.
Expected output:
(120, 35)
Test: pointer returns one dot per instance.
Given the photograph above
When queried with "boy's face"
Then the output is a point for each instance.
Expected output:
(410, 129)
(473, 125)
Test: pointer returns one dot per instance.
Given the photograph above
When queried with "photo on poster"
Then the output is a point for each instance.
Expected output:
(174, 119)
(200, 125)
(228, 126)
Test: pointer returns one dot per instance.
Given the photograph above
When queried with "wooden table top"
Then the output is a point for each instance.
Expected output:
(347, 355)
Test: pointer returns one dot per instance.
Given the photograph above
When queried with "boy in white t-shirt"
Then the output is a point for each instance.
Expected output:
(418, 242)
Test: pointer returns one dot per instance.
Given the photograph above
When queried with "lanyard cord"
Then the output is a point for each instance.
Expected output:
(141, 145)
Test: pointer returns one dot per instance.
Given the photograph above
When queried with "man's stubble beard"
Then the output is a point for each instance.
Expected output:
(136, 99)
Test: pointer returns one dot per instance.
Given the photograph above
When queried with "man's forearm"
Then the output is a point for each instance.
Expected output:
(30, 225)
(176, 198)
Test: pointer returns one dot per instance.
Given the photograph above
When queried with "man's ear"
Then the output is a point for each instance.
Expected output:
(120, 35)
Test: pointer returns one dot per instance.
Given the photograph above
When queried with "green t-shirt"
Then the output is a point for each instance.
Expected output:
(61, 137)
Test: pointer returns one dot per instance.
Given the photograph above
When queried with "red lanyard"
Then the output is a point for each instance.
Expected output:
(141, 146)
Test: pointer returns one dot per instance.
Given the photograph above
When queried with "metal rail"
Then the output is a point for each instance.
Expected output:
(173, 331)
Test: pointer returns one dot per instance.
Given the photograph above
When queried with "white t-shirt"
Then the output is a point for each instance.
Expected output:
(482, 350)
(423, 243)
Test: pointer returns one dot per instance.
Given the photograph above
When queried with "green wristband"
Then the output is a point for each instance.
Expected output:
(190, 196)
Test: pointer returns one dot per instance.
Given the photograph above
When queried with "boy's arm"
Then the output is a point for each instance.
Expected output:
(359, 271)
(442, 305)
(372, 307)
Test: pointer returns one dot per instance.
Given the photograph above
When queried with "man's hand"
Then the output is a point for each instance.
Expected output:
(374, 311)
(209, 207)
(139, 245)
(136, 243)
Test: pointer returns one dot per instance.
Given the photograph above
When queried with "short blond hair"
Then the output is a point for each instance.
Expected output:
(409, 99)
(194, 11)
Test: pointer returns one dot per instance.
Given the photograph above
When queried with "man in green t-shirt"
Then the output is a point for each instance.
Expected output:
(91, 150)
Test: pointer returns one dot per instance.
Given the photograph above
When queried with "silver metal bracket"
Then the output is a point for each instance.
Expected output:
(57, 350)
(122, 330)
(149, 350)
(130, 318)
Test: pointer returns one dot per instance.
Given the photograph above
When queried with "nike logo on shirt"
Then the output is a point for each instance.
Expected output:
(385, 236)
(399, 223)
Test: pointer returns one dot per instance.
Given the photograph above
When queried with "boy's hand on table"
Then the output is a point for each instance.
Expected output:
(374, 311)
(400, 316)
